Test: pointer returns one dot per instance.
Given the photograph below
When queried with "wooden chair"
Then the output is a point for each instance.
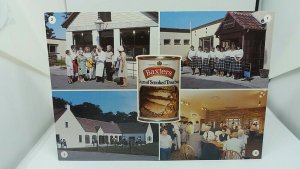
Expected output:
(231, 155)
(188, 152)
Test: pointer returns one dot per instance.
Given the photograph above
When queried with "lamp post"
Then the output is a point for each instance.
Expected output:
(133, 32)
(99, 27)
(97, 139)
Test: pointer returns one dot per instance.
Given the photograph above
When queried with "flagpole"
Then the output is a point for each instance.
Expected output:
(191, 39)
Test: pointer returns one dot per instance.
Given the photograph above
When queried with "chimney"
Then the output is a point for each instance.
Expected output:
(67, 106)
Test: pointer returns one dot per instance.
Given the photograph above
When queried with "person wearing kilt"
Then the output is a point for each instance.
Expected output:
(221, 62)
(218, 57)
(226, 61)
(193, 58)
(232, 62)
(238, 67)
(199, 54)
(205, 62)
(212, 61)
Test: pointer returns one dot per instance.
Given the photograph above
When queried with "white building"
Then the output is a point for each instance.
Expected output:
(178, 41)
(204, 35)
(138, 32)
(56, 47)
(174, 41)
(137, 131)
(80, 132)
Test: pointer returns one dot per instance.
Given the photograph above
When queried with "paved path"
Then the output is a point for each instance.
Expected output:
(59, 81)
(98, 156)
(189, 81)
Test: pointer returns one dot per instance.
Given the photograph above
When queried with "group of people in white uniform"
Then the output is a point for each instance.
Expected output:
(86, 65)
(221, 62)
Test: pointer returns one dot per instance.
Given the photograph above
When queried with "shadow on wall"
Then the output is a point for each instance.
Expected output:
(283, 99)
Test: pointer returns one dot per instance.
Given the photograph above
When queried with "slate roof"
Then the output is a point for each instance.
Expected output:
(89, 125)
(174, 30)
(58, 113)
(208, 24)
(246, 20)
(133, 127)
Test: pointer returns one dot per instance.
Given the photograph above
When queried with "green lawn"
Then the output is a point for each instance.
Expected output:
(147, 149)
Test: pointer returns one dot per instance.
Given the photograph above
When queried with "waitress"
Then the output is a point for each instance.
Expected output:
(108, 64)
(205, 63)
(193, 58)
(199, 54)
(238, 69)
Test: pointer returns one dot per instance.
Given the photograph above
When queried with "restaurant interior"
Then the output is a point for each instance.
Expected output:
(205, 114)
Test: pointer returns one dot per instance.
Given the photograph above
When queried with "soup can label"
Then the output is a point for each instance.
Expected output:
(158, 88)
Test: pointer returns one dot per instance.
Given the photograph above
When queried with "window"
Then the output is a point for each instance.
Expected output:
(167, 42)
(57, 138)
(206, 42)
(80, 138)
(83, 39)
(186, 42)
(52, 48)
(94, 138)
(87, 139)
(233, 122)
(176, 41)
(105, 16)
(136, 41)
(66, 124)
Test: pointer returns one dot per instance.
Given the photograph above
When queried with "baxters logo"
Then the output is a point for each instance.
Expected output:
(159, 71)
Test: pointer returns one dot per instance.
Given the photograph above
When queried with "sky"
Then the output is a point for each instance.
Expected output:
(60, 32)
(167, 20)
(123, 101)
(182, 19)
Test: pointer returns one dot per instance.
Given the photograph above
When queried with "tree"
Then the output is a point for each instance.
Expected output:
(121, 117)
(87, 110)
(132, 116)
(109, 116)
(49, 31)
(59, 103)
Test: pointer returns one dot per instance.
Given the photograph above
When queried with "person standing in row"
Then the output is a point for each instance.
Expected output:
(100, 59)
(108, 63)
(232, 60)
(212, 61)
(205, 62)
(69, 65)
(81, 59)
(122, 73)
(75, 63)
(89, 63)
(94, 53)
(199, 59)
(193, 58)
(238, 70)
(227, 61)
(218, 58)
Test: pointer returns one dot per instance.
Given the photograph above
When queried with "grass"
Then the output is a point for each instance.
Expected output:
(147, 149)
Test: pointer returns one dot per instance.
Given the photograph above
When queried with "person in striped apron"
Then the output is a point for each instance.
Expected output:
(227, 61)
(193, 58)
(205, 62)
(212, 61)
(221, 62)
(218, 56)
(199, 54)
(238, 67)
(232, 61)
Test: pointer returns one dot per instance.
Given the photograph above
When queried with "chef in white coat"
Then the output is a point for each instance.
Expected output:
(100, 59)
